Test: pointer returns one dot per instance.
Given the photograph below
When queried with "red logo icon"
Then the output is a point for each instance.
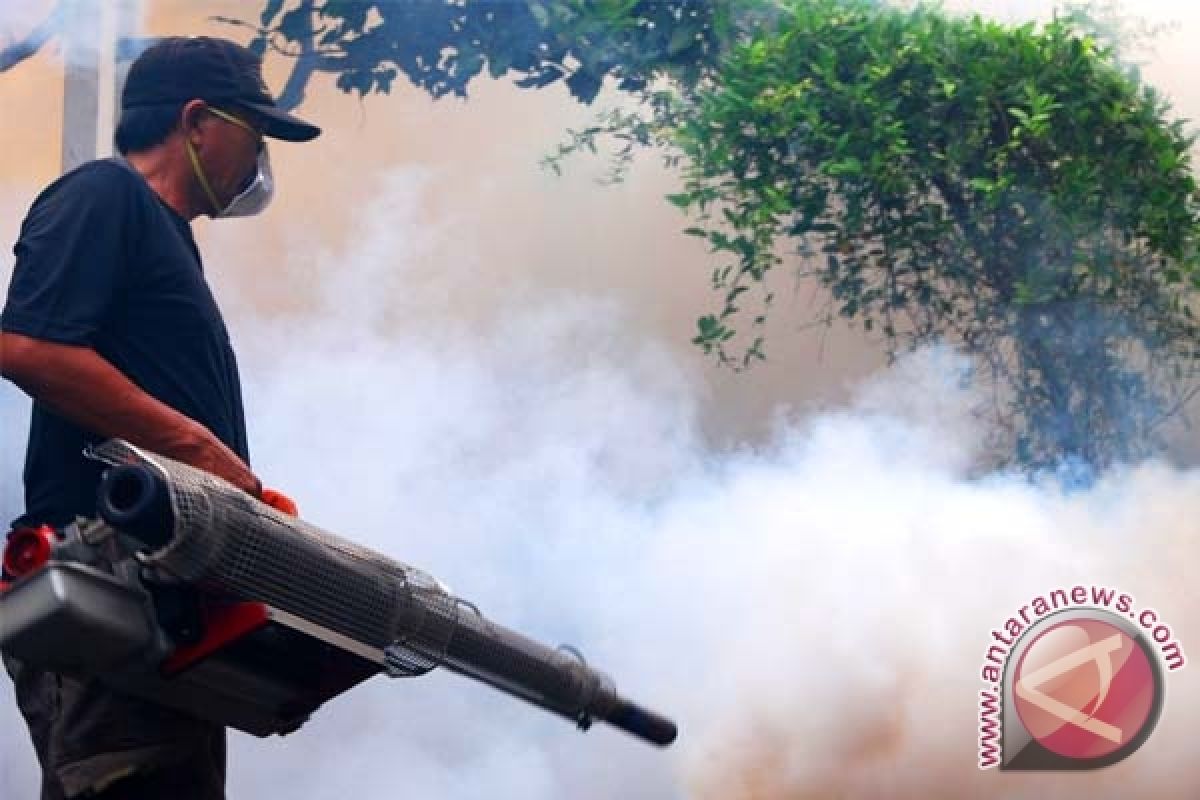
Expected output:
(1086, 692)
(1084, 689)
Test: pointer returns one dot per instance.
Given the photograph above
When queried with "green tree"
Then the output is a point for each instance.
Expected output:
(1013, 190)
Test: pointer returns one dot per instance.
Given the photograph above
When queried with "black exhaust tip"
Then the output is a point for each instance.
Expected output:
(134, 500)
(643, 723)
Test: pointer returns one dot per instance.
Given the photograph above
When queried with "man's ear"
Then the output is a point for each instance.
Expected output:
(192, 119)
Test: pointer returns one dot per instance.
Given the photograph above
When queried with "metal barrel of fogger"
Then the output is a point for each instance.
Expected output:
(203, 531)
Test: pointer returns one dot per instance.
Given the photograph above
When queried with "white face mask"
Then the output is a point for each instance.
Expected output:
(255, 197)
(251, 200)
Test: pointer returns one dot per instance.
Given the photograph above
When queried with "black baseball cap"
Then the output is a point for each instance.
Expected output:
(177, 69)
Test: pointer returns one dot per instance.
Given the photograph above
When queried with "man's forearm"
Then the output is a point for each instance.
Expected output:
(78, 384)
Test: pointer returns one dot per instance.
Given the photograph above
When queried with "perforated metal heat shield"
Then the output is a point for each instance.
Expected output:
(227, 542)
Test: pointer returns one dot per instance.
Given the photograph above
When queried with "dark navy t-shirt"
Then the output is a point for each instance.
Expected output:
(101, 261)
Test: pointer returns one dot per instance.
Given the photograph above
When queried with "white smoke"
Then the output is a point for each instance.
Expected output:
(813, 610)
(72, 31)
(17, 19)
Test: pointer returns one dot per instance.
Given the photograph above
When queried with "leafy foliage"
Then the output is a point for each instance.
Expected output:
(1013, 189)
(442, 45)
(1009, 187)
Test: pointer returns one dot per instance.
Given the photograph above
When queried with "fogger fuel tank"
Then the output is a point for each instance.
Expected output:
(188, 592)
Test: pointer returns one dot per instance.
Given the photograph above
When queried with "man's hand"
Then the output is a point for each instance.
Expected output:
(80, 385)
(204, 451)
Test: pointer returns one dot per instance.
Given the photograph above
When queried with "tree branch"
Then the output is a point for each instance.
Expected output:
(18, 51)
(310, 58)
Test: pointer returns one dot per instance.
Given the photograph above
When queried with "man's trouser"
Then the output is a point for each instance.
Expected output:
(92, 742)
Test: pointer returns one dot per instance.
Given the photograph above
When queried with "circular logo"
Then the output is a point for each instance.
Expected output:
(1084, 689)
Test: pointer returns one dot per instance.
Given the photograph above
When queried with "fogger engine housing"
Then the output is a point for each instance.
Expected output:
(190, 593)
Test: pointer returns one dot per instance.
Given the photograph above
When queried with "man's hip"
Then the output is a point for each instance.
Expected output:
(90, 739)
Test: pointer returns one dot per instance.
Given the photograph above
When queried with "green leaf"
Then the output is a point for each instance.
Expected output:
(850, 166)
(682, 200)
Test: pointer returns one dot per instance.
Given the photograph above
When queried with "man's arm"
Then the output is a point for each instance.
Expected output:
(81, 386)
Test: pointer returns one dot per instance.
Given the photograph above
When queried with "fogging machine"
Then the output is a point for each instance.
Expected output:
(190, 593)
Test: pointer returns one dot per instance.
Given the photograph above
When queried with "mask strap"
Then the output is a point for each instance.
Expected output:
(196, 168)
(231, 118)
(240, 123)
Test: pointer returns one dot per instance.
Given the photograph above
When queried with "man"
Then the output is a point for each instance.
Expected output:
(111, 328)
